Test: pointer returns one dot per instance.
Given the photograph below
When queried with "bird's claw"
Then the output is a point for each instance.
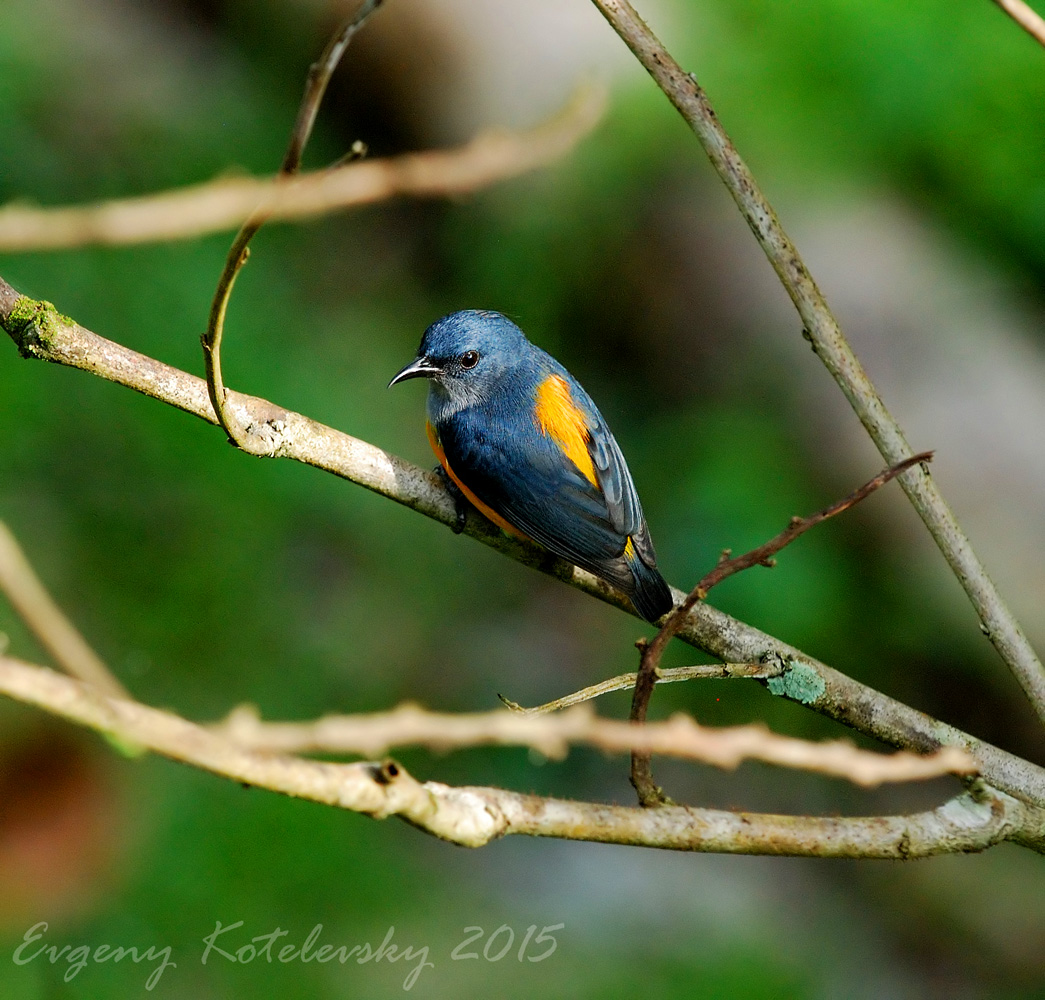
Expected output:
(461, 503)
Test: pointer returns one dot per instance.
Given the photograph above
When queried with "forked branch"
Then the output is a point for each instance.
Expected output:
(41, 332)
(651, 652)
(831, 346)
(473, 816)
(319, 75)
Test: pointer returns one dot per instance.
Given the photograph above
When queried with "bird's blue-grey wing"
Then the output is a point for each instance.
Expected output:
(521, 474)
(622, 501)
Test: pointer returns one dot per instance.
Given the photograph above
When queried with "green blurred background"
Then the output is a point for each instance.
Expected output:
(903, 144)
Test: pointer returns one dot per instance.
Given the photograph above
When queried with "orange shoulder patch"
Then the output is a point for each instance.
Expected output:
(558, 418)
(490, 513)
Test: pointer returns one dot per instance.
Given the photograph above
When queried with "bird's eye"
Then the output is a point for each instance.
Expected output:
(469, 359)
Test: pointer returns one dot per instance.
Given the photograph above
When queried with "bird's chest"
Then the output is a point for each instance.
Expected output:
(465, 435)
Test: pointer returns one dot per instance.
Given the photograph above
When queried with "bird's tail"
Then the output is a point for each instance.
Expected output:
(651, 595)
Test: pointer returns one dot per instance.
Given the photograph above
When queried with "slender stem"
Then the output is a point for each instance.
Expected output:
(823, 332)
(211, 340)
(319, 75)
(651, 652)
(1031, 21)
(672, 675)
(641, 775)
(47, 621)
(315, 87)
(222, 204)
(763, 555)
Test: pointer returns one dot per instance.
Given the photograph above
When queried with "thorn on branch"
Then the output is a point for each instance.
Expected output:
(357, 151)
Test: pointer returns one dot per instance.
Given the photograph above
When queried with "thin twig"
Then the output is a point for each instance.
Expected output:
(223, 204)
(830, 345)
(375, 734)
(651, 652)
(58, 635)
(319, 75)
(474, 816)
(1031, 21)
(238, 255)
(671, 675)
(315, 87)
(763, 555)
(40, 331)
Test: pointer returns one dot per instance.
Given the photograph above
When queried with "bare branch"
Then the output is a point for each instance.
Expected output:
(830, 345)
(40, 331)
(409, 725)
(375, 734)
(211, 340)
(650, 653)
(224, 203)
(964, 824)
(475, 816)
(58, 635)
(319, 75)
(622, 682)
(763, 555)
(1025, 17)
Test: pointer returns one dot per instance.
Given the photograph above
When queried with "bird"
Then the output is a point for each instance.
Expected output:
(518, 436)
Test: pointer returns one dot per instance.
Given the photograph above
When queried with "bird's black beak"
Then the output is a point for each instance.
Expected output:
(418, 368)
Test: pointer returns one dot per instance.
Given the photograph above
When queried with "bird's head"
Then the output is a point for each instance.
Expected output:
(466, 354)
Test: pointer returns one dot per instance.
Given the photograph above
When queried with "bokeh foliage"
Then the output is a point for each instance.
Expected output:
(207, 578)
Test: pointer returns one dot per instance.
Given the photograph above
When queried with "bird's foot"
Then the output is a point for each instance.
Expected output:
(461, 503)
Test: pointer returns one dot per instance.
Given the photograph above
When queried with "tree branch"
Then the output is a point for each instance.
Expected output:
(473, 816)
(764, 554)
(224, 203)
(376, 733)
(670, 675)
(40, 331)
(1028, 19)
(319, 75)
(30, 599)
(830, 345)
(962, 825)
(409, 725)
(648, 791)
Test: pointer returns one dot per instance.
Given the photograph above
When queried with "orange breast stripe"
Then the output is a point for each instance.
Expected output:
(559, 418)
(433, 440)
